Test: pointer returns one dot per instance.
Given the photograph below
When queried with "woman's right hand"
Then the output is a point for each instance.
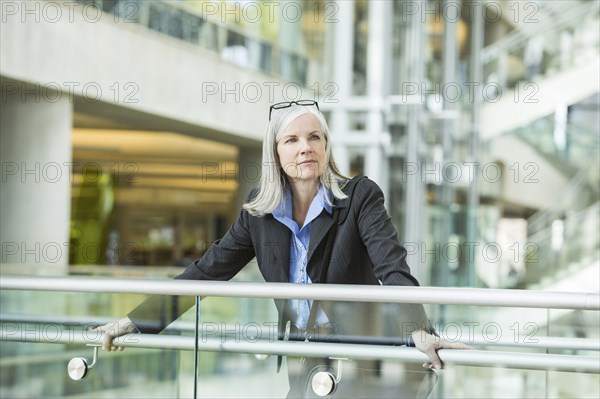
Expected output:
(114, 330)
(429, 344)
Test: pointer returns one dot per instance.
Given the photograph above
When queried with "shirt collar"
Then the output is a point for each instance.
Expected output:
(284, 209)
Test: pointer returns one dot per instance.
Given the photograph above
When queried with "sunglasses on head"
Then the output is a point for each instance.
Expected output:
(287, 104)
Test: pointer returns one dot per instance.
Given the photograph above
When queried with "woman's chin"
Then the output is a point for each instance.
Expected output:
(310, 171)
(307, 176)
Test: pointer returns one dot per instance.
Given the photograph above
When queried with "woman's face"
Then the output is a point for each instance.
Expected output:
(301, 149)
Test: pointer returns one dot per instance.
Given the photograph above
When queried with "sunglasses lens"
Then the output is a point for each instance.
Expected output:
(281, 105)
(306, 102)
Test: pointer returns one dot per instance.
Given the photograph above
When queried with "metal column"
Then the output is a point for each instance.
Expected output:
(342, 77)
(414, 199)
(475, 76)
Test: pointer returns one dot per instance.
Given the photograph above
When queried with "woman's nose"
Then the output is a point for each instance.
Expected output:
(305, 147)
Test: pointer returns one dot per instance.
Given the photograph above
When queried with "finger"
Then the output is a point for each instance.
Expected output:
(98, 329)
(460, 345)
(454, 345)
(103, 328)
(107, 342)
(436, 362)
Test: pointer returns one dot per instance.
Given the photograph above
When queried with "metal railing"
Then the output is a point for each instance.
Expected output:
(531, 361)
(273, 346)
(326, 292)
(539, 342)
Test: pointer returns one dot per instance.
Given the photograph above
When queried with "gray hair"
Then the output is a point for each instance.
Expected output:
(273, 179)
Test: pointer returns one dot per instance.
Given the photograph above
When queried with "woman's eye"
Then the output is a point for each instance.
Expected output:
(290, 140)
(315, 138)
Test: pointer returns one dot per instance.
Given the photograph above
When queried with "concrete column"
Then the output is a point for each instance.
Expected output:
(35, 194)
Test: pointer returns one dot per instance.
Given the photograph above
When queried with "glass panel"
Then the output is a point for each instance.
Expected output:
(39, 370)
(254, 320)
(517, 331)
(236, 375)
(495, 382)
(236, 320)
(486, 328)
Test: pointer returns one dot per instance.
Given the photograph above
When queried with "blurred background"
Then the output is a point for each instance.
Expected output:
(131, 135)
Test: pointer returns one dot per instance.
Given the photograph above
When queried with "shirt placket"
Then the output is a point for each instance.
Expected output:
(303, 305)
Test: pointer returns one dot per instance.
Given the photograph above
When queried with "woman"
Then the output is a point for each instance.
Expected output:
(285, 224)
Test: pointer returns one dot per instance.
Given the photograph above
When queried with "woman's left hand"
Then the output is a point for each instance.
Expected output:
(429, 344)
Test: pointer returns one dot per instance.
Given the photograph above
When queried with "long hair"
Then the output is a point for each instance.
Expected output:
(273, 179)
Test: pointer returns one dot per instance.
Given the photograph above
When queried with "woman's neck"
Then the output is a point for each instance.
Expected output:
(303, 192)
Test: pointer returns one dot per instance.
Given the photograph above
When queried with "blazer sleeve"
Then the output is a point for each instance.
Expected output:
(386, 254)
(224, 259)
(380, 237)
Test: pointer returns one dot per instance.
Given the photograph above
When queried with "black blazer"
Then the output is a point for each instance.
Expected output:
(365, 251)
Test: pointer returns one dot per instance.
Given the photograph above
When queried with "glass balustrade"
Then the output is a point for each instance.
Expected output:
(517, 331)
(551, 44)
(30, 370)
(551, 250)
(39, 370)
(578, 149)
(233, 44)
(566, 246)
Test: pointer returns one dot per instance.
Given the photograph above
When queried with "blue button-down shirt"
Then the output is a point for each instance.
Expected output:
(299, 250)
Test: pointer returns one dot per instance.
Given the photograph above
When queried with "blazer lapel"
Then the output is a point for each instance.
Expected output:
(277, 248)
(318, 231)
(323, 223)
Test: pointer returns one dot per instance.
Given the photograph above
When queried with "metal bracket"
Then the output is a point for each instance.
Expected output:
(324, 383)
(78, 366)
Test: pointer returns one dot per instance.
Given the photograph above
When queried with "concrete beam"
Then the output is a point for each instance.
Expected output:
(139, 78)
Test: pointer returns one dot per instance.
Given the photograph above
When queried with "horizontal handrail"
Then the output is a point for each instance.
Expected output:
(325, 292)
(538, 342)
(530, 361)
